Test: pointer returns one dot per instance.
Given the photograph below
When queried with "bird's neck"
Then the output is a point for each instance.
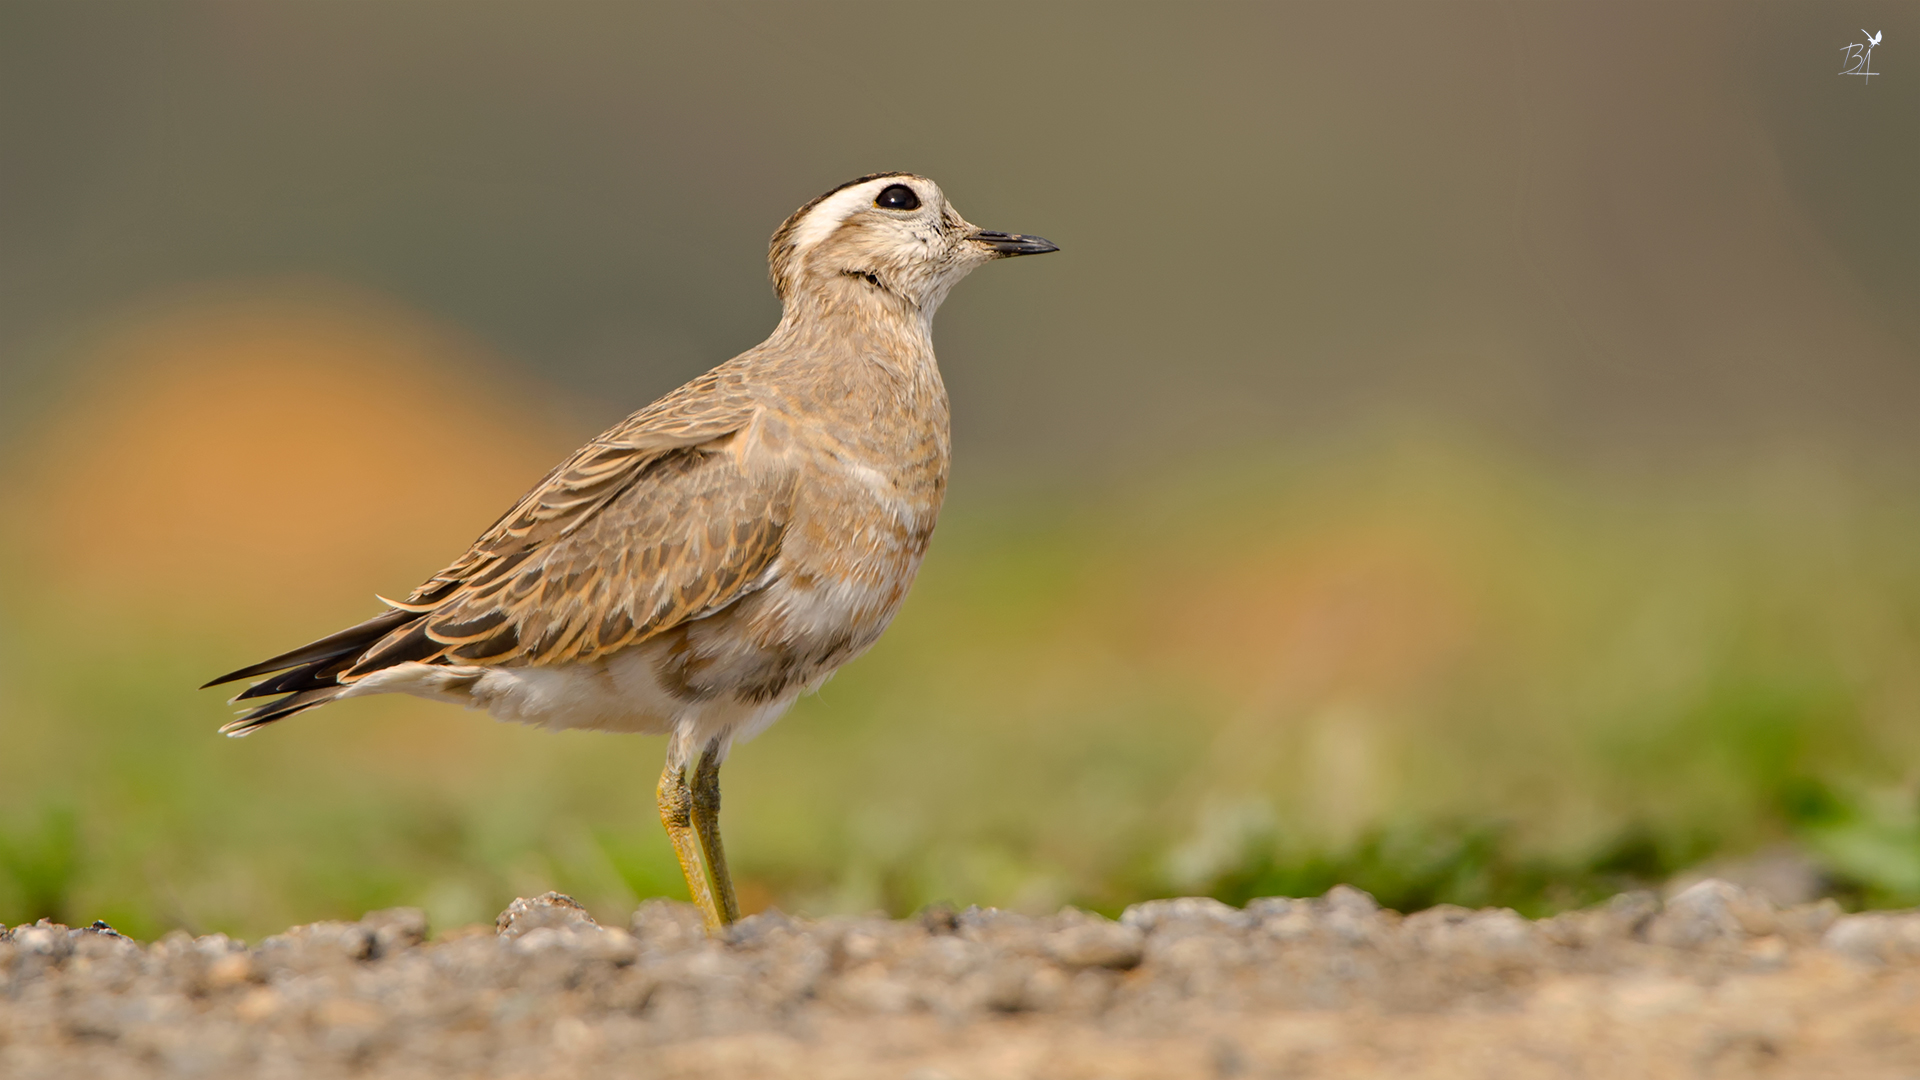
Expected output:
(851, 318)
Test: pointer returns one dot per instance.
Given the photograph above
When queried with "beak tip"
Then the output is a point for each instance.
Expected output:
(1009, 244)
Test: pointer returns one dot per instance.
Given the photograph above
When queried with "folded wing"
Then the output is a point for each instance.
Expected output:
(653, 524)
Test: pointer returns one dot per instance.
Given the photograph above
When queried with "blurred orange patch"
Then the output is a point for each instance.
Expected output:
(270, 452)
(1366, 612)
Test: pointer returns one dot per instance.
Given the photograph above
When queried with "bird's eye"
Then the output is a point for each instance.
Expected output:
(897, 197)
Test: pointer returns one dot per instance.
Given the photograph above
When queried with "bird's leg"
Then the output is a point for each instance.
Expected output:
(676, 813)
(706, 822)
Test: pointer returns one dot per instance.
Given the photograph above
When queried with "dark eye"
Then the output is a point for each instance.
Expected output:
(898, 197)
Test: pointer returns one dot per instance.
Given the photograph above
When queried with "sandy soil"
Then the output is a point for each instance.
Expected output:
(1714, 983)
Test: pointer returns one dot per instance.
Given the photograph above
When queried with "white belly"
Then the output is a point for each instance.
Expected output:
(802, 634)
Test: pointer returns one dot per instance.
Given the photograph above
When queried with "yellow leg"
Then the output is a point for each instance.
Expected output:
(706, 823)
(676, 813)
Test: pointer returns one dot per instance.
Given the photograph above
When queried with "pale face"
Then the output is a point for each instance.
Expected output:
(895, 234)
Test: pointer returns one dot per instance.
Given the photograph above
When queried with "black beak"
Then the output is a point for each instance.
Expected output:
(1014, 243)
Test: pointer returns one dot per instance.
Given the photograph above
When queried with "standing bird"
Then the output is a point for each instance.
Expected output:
(696, 568)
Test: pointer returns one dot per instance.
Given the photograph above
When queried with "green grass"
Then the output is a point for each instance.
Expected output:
(1435, 674)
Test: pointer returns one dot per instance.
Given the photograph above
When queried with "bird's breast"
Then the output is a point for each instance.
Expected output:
(868, 450)
(860, 526)
(865, 522)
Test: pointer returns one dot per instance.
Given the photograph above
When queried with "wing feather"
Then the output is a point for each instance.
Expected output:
(655, 523)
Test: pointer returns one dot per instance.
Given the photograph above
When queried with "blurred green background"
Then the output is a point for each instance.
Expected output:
(1466, 450)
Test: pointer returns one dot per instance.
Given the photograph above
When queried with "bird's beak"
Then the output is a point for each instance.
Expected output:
(1010, 244)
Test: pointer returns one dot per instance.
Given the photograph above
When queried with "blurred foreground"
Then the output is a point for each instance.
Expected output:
(1715, 982)
(1405, 662)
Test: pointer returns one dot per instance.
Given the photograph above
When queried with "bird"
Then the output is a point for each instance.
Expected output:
(699, 566)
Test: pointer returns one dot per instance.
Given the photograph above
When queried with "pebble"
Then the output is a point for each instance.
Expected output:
(378, 998)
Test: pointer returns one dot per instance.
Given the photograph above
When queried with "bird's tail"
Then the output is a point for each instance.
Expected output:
(308, 676)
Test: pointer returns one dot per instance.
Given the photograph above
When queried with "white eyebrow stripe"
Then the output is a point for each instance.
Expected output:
(834, 210)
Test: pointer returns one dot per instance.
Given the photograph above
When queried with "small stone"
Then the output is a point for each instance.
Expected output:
(1001, 931)
(257, 1005)
(1346, 898)
(1200, 960)
(758, 929)
(667, 925)
(1571, 929)
(92, 945)
(1807, 922)
(540, 938)
(1496, 934)
(215, 946)
(347, 1012)
(940, 919)
(1352, 916)
(1623, 917)
(1007, 986)
(1785, 875)
(612, 945)
(1046, 987)
(1098, 943)
(1345, 915)
(1275, 907)
(1766, 953)
(1285, 918)
(1631, 912)
(396, 929)
(1875, 937)
(548, 910)
(44, 938)
(178, 942)
(319, 942)
(859, 946)
(1152, 915)
(872, 988)
(230, 970)
(1712, 910)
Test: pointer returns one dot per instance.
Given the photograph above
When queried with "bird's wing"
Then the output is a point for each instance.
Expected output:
(652, 524)
(618, 551)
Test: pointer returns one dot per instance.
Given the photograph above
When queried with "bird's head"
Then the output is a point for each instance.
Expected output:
(890, 235)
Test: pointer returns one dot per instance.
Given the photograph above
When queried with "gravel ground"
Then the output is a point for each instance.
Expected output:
(1714, 982)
